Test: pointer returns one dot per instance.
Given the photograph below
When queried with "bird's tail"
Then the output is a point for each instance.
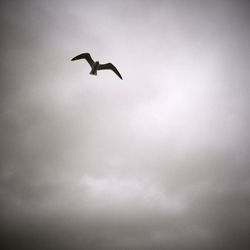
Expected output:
(93, 72)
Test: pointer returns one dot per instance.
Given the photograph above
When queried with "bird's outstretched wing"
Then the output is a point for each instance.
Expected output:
(109, 66)
(86, 56)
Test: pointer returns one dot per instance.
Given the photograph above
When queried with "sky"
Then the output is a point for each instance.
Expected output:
(159, 160)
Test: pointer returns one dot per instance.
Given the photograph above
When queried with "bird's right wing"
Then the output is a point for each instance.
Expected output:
(86, 56)
(110, 66)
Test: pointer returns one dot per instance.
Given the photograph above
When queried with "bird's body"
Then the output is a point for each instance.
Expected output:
(94, 68)
(95, 65)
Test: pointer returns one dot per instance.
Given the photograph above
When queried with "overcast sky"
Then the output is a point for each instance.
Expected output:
(159, 160)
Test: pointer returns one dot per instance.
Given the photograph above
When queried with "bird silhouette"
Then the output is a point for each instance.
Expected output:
(95, 65)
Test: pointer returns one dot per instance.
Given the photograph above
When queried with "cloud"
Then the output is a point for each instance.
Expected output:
(159, 160)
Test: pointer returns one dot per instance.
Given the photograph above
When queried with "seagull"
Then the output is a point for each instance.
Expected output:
(96, 65)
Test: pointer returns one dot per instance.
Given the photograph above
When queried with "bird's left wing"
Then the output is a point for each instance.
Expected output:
(85, 56)
(109, 66)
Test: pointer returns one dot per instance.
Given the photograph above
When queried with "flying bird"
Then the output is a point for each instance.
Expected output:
(96, 65)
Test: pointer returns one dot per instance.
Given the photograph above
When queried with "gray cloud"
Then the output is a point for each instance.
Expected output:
(159, 160)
